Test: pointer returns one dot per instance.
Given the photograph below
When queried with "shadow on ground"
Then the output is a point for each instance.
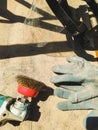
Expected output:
(10, 16)
(10, 51)
(33, 113)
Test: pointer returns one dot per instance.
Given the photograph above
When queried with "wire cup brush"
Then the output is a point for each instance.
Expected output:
(28, 87)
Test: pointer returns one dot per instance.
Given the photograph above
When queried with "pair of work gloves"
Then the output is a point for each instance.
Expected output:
(77, 82)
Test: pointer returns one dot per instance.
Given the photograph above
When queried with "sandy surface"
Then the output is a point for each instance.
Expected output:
(33, 51)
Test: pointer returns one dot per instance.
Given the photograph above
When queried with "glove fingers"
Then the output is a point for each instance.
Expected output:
(67, 68)
(84, 94)
(65, 78)
(61, 93)
(67, 91)
(75, 59)
(74, 64)
(90, 122)
(72, 87)
(66, 106)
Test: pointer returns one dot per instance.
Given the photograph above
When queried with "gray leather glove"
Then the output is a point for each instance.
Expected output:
(78, 84)
(77, 81)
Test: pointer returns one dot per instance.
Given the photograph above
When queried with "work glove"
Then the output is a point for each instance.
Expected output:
(77, 81)
(78, 85)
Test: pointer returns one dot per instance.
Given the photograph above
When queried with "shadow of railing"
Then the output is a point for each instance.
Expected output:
(11, 51)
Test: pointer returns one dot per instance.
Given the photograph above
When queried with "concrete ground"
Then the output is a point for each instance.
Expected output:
(33, 51)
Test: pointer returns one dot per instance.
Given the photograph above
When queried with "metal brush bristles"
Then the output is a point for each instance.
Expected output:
(29, 82)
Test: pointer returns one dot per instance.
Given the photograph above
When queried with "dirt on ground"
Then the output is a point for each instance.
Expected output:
(32, 47)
